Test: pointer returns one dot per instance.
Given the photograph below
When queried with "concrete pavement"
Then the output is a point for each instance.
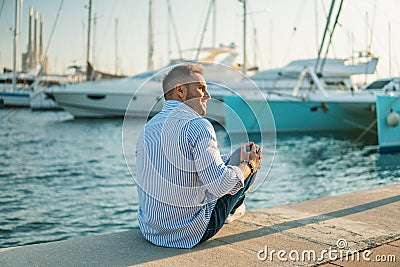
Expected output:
(355, 229)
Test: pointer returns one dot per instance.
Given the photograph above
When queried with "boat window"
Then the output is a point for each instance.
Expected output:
(377, 85)
(334, 83)
(96, 97)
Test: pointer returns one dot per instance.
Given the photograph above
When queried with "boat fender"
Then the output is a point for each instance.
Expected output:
(393, 119)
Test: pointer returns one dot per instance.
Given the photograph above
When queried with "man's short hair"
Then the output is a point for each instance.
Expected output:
(180, 74)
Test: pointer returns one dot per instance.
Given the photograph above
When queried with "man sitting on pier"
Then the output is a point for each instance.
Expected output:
(187, 190)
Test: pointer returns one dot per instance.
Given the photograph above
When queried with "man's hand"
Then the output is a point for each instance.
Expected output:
(250, 158)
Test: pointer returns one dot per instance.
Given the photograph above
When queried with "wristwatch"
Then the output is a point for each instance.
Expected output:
(250, 164)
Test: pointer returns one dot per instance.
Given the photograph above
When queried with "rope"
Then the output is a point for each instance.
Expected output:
(365, 131)
(52, 30)
(11, 113)
(1, 9)
(374, 122)
(172, 22)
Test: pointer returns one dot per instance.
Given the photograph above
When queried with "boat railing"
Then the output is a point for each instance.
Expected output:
(310, 74)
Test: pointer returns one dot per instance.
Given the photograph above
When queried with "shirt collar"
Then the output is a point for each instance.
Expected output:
(177, 107)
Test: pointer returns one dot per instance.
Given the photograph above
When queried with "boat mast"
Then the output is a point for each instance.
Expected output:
(172, 23)
(88, 41)
(244, 35)
(200, 47)
(331, 35)
(328, 20)
(15, 47)
(150, 59)
(94, 39)
(169, 32)
(214, 26)
(390, 50)
(316, 23)
(366, 31)
(116, 47)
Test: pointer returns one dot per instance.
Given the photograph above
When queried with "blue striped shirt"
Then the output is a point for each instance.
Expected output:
(180, 175)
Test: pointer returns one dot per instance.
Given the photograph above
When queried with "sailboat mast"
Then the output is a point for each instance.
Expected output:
(15, 46)
(171, 22)
(116, 46)
(328, 20)
(214, 33)
(88, 40)
(244, 36)
(200, 46)
(331, 35)
(316, 23)
(366, 31)
(150, 59)
(94, 39)
(390, 50)
(169, 33)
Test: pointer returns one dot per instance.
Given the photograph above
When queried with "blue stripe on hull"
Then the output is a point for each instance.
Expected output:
(290, 116)
(15, 99)
(9, 94)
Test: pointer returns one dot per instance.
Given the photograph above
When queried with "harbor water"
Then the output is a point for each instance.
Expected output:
(62, 178)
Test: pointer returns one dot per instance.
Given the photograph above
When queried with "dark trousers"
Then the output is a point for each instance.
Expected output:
(227, 204)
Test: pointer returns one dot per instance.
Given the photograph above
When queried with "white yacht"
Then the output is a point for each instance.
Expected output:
(19, 96)
(336, 74)
(101, 99)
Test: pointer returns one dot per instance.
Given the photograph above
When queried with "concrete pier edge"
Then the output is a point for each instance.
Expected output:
(358, 223)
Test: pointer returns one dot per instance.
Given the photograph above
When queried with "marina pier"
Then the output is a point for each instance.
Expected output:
(353, 229)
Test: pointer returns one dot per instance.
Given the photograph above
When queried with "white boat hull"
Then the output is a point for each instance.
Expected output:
(86, 105)
(40, 101)
(111, 105)
(17, 99)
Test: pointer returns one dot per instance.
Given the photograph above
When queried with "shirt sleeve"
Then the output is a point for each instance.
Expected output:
(219, 179)
(226, 157)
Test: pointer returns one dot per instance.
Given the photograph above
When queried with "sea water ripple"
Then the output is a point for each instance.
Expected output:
(62, 178)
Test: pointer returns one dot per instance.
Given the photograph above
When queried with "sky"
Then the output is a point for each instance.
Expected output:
(278, 31)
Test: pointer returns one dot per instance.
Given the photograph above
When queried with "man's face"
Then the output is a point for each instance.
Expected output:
(197, 94)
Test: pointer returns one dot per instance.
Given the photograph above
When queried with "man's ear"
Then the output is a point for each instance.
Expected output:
(181, 92)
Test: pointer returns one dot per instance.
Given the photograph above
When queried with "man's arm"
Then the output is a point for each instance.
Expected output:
(218, 178)
(226, 157)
